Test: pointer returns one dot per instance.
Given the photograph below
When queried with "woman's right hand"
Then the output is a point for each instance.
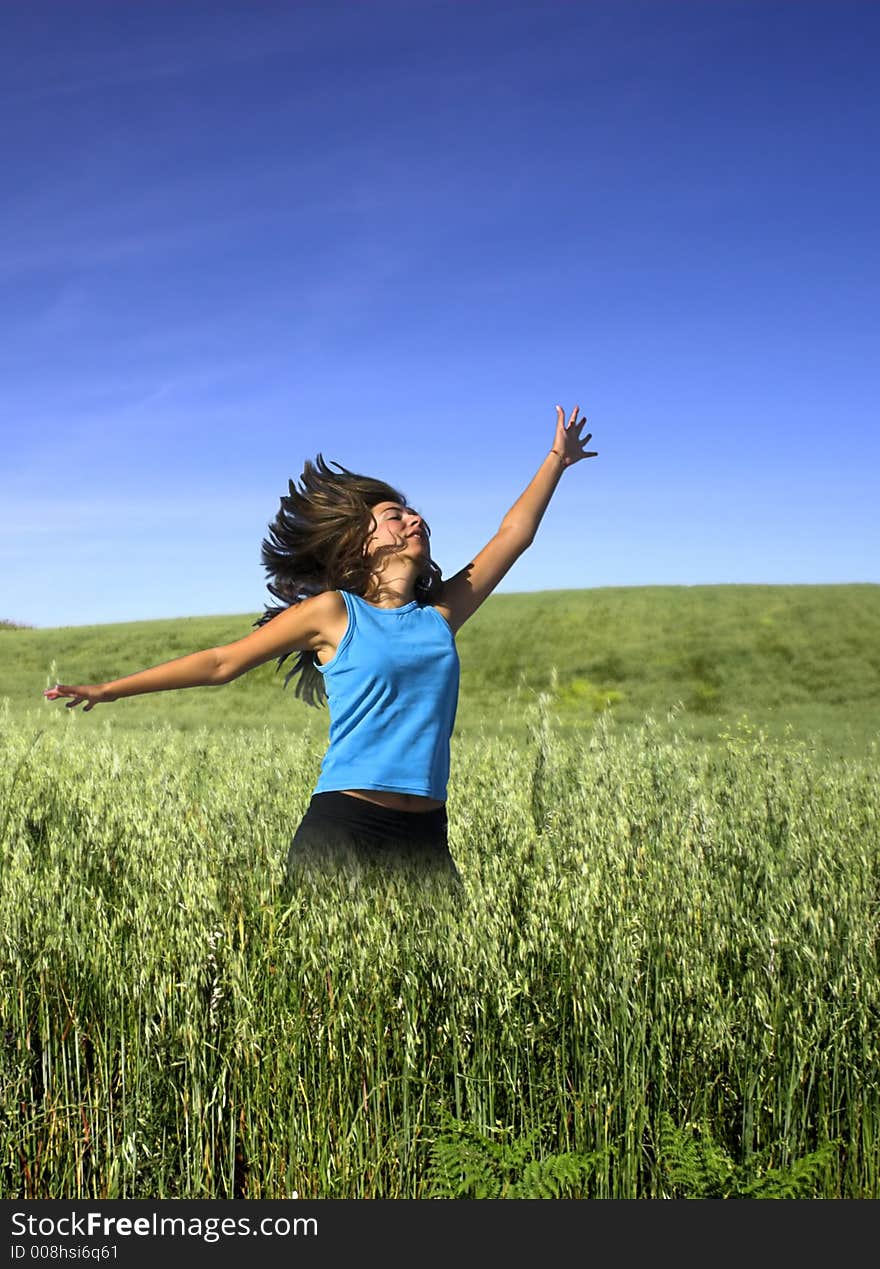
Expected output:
(93, 694)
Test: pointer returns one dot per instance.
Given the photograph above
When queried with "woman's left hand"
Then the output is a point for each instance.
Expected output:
(567, 443)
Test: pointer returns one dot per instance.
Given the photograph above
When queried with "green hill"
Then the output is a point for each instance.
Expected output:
(802, 661)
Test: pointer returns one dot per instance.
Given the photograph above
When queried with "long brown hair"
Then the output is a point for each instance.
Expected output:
(316, 543)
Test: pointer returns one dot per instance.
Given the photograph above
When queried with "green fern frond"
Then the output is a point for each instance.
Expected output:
(458, 1170)
(694, 1165)
(558, 1176)
(466, 1163)
(800, 1180)
(697, 1167)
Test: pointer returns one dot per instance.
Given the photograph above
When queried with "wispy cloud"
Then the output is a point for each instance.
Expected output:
(53, 513)
(219, 41)
(94, 251)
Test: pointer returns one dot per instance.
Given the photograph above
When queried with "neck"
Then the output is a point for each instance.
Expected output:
(391, 592)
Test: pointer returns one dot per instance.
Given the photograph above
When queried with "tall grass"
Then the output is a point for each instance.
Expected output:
(653, 933)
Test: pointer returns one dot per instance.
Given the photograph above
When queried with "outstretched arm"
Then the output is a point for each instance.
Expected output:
(462, 594)
(568, 448)
(198, 669)
(298, 628)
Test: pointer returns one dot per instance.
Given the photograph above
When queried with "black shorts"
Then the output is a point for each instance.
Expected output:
(339, 831)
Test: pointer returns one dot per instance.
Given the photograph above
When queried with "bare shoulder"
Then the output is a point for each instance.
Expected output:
(329, 620)
(331, 624)
(332, 604)
(316, 613)
(308, 625)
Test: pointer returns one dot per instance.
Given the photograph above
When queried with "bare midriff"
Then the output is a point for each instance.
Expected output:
(396, 801)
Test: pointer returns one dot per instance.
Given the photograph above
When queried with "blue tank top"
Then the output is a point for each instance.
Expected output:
(392, 691)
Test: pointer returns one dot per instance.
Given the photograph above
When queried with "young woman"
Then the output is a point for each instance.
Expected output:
(374, 624)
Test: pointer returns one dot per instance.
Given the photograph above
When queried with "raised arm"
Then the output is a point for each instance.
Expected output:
(299, 627)
(465, 592)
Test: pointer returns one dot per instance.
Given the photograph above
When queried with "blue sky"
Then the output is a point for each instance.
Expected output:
(235, 235)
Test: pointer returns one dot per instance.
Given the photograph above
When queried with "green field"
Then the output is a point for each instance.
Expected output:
(662, 981)
(801, 661)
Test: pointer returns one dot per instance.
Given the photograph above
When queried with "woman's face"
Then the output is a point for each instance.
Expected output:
(399, 531)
